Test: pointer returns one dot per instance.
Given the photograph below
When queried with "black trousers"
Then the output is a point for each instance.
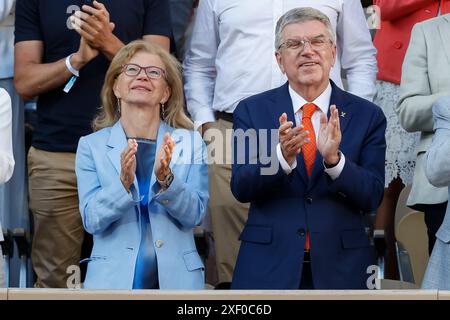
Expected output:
(434, 216)
(306, 281)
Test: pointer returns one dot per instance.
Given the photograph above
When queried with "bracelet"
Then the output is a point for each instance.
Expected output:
(75, 73)
(165, 184)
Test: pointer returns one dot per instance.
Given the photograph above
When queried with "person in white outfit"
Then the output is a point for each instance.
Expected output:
(14, 194)
(6, 156)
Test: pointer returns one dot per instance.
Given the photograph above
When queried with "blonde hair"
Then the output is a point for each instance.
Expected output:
(174, 107)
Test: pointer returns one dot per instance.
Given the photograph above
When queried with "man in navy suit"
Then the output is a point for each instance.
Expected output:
(306, 221)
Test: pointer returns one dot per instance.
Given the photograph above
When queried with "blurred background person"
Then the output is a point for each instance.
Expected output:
(181, 13)
(66, 73)
(437, 169)
(129, 164)
(391, 40)
(425, 78)
(220, 70)
(6, 157)
(14, 193)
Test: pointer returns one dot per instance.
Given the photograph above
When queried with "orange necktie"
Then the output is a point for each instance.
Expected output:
(309, 149)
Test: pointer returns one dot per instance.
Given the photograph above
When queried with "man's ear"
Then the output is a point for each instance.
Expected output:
(333, 51)
(279, 58)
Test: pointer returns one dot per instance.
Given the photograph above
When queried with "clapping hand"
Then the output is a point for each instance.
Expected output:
(330, 137)
(93, 24)
(164, 157)
(128, 164)
(291, 139)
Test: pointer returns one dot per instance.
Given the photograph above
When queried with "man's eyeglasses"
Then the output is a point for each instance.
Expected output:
(316, 43)
(132, 70)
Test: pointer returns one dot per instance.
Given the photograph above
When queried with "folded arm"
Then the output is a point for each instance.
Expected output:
(414, 107)
(437, 166)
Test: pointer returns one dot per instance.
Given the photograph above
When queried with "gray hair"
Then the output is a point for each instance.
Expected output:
(300, 15)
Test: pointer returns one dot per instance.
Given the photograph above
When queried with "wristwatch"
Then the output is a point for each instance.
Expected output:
(165, 184)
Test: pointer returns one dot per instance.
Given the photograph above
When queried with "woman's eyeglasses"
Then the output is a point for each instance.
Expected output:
(132, 70)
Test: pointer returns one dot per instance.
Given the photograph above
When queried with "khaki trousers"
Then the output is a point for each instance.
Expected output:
(228, 216)
(58, 229)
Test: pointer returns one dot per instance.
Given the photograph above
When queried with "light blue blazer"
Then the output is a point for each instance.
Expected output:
(437, 169)
(112, 215)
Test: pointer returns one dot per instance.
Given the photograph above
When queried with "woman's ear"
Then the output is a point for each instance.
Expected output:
(116, 90)
(166, 95)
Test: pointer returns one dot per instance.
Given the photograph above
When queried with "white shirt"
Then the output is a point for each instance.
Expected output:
(323, 104)
(6, 151)
(7, 38)
(231, 55)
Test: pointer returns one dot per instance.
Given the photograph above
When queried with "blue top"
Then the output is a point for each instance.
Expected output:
(146, 270)
(62, 118)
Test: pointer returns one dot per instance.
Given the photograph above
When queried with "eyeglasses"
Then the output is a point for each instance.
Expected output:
(316, 43)
(132, 70)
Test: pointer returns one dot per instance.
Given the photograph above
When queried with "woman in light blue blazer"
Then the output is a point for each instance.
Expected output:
(437, 169)
(142, 178)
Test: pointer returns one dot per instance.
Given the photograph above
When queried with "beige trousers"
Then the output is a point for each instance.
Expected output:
(58, 229)
(228, 216)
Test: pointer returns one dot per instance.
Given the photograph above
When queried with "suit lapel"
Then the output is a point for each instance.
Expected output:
(338, 99)
(444, 31)
(117, 142)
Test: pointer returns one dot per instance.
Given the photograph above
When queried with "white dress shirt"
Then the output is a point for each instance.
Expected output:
(231, 54)
(6, 151)
(323, 103)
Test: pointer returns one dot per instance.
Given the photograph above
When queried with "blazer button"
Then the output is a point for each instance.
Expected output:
(398, 45)
(309, 200)
(301, 232)
(159, 243)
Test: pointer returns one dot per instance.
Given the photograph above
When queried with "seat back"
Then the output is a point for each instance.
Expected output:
(411, 235)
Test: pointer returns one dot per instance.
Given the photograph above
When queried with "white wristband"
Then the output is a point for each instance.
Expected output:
(75, 72)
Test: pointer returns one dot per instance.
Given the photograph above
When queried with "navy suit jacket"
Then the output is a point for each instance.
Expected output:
(284, 206)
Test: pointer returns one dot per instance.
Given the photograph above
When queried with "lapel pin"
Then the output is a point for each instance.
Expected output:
(343, 114)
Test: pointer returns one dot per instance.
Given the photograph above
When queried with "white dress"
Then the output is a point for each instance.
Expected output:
(401, 145)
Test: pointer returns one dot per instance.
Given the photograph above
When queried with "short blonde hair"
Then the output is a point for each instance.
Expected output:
(174, 107)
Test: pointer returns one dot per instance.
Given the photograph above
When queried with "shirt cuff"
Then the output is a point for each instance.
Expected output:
(284, 165)
(203, 116)
(335, 171)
